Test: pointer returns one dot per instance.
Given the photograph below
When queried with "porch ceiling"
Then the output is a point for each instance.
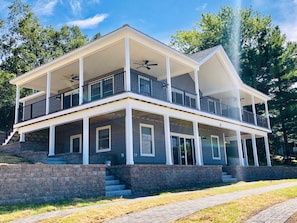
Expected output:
(109, 59)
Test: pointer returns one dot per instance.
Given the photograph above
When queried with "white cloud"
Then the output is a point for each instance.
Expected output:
(201, 7)
(90, 22)
(75, 6)
(45, 8)
(290, 30)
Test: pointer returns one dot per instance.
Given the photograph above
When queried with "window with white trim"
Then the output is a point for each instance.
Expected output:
(212, 106)
(190, 100)
(101, 88)
(71, 99)
(215, 147)
(75, 143)
(147, 144)
(144, 85)
(103, 139)
(177, 96)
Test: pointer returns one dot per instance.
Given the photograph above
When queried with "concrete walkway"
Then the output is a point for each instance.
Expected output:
(276, 214)
(175, 211)
(166, 213)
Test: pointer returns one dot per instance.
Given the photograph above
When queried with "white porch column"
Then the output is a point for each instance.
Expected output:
(22, 137)
(246, 160)
(167, 140)
(267, 151)
(254, 110)
(239, 147)
(198, 151)
(239, 104)
(86, 149)
(197, 88)
(81, 80)
(129, 136)
(255, 150)
(168, 77)
(48, 92)
(17, 104)
(127, 65)
(52, 134)
(267, 114)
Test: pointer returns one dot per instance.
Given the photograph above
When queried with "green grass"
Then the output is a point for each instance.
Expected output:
(7, 158)
(9, 213)
(241, 209)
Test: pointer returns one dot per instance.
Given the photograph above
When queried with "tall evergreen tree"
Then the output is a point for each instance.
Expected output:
(265, 62)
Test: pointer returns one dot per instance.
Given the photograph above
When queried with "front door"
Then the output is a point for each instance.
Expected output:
(183, 151)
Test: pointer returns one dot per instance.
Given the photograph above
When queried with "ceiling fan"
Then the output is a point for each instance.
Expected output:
(73, 77)
(146, 64)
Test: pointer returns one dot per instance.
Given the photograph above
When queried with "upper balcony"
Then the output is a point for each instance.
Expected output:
(118, 63)
(143, 84)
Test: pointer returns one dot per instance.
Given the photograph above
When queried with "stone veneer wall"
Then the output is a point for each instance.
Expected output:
(252, 173)
(145, 179)
(26, 183)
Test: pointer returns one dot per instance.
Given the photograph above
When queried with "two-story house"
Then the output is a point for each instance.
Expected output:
(130, 99)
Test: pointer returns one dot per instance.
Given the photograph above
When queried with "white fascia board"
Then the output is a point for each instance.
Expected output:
(32, 96)
(255, 92)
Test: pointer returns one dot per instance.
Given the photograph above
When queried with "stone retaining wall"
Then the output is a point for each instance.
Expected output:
(145, 179)
(252, 173)
(26, 183)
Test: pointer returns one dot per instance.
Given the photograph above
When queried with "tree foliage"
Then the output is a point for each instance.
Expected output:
(261, 56)
(25, 44)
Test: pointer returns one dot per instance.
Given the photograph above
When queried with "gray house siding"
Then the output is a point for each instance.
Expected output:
(205, 133)
(159, 139)
(184, 82)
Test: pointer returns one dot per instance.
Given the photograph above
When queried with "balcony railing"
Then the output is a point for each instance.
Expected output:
(140, 84)
(214, 106)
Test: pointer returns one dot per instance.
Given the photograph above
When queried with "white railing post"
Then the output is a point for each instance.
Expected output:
(86, 149)
(52, 134)
(127, 65)
(197, 88)
(17, 104)
(168, 77)
(129, 135)
(167, 140)
(255, 150)
(239, 147)
(48, 92)
(81, 80)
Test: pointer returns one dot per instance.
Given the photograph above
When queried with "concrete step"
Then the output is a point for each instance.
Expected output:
(115, 187)
(111, 182)
(226, 178)
(118, 193)
(109, 177)
(55, 160)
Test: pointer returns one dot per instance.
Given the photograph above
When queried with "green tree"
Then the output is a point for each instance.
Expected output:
(261, 57)
(25, 44)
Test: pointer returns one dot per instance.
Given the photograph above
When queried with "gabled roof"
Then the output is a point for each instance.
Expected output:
(203, 55)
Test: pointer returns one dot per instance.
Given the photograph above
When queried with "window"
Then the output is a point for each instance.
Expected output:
(144, 85)
(95, 89)
(190, 100)
(75, 143)
(215, 147)
(101, 88)
(177, 97)
(71, 99)
(103, 139)
(147, 147)
(211, 106)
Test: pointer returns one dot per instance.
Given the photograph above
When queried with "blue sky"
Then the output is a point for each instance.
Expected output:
(157, 18)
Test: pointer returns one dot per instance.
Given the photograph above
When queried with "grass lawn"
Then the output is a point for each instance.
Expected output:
(6, 158)
(10, 213)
